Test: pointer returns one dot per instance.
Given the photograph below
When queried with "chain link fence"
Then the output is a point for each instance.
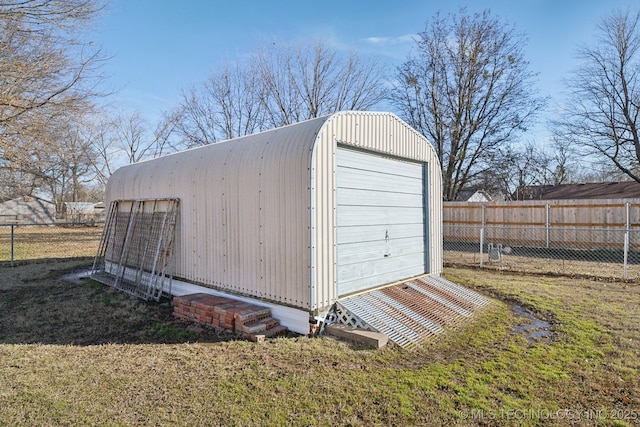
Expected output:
(606, 250)
(24, 243)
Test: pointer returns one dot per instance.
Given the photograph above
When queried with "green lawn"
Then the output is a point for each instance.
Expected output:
(82, 354)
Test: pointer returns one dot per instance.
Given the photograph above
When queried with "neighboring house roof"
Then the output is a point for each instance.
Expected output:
(26, 199)
(474, 196)
(597, 190)
(27, 210)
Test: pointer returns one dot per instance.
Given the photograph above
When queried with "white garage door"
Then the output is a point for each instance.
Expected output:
(380, 220)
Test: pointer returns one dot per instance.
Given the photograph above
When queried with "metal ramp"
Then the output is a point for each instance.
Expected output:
(135, 254)
(412, 311)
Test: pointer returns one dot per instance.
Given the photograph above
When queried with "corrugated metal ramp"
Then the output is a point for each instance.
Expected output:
(411, 311)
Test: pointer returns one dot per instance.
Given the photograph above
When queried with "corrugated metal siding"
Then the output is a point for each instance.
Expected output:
(244, 220)
(384, 133)
(257, 214)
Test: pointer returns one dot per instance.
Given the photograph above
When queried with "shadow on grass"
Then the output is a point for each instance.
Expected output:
(68, 262)
(56, 310)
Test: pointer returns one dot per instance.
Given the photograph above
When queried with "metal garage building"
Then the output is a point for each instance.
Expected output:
(300, 216)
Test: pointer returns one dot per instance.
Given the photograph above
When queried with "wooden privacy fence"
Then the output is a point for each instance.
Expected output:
(599, 224)
(603, 230)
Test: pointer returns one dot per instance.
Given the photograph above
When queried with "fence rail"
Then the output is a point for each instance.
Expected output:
(599, 238)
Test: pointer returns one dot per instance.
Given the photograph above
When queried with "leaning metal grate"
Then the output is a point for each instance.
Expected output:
(416, 316)
(474, 298)
(412, 311)
(135, 254)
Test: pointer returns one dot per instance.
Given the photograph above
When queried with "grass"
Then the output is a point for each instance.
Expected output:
(48, 242)
(592, 264)
(81, 354)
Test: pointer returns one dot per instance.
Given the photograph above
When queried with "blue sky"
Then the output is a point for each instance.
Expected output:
(160, 47)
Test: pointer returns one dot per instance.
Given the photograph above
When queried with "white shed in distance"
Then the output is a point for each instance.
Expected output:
(301, 216)
(27, 210)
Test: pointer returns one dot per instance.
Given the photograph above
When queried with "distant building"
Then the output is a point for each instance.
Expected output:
(78, 211)
(597, 190)
(474, 196)
(27, 210)
(99, 208)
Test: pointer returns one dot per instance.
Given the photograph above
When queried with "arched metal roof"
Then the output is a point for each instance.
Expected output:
(257, 213)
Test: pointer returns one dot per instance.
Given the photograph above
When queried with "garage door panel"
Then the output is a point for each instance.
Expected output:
(355, 282)
(373, 233)
(367, 251)
(380, 181)
(355, 197)
(379, 267)
(358, 215)
(380, 220)
(376, 163)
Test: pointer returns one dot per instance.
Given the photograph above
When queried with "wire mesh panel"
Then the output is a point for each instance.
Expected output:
(593, 251)
(135, 254)
(461, 244)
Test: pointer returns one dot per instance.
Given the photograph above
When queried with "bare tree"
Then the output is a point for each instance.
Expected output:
(99, 131)
(602, 113)
(43, 59)
(565, 166)
(224, 106)
(48, 73)
(300, 82)
(164, 133)
(467, 88)
(23, 153)
(63, 167)
(115, 139)
(132, 133)
(279, 85)
(516, 167)
(69, 169)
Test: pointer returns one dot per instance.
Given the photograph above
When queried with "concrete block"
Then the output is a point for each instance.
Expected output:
(370, 339)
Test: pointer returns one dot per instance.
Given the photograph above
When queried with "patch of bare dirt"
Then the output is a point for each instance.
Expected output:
(52, 304)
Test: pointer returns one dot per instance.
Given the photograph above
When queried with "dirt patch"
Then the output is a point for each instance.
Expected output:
(70, 309)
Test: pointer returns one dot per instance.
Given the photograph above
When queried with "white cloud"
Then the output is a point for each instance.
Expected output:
(393, 48)
(391, 41)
